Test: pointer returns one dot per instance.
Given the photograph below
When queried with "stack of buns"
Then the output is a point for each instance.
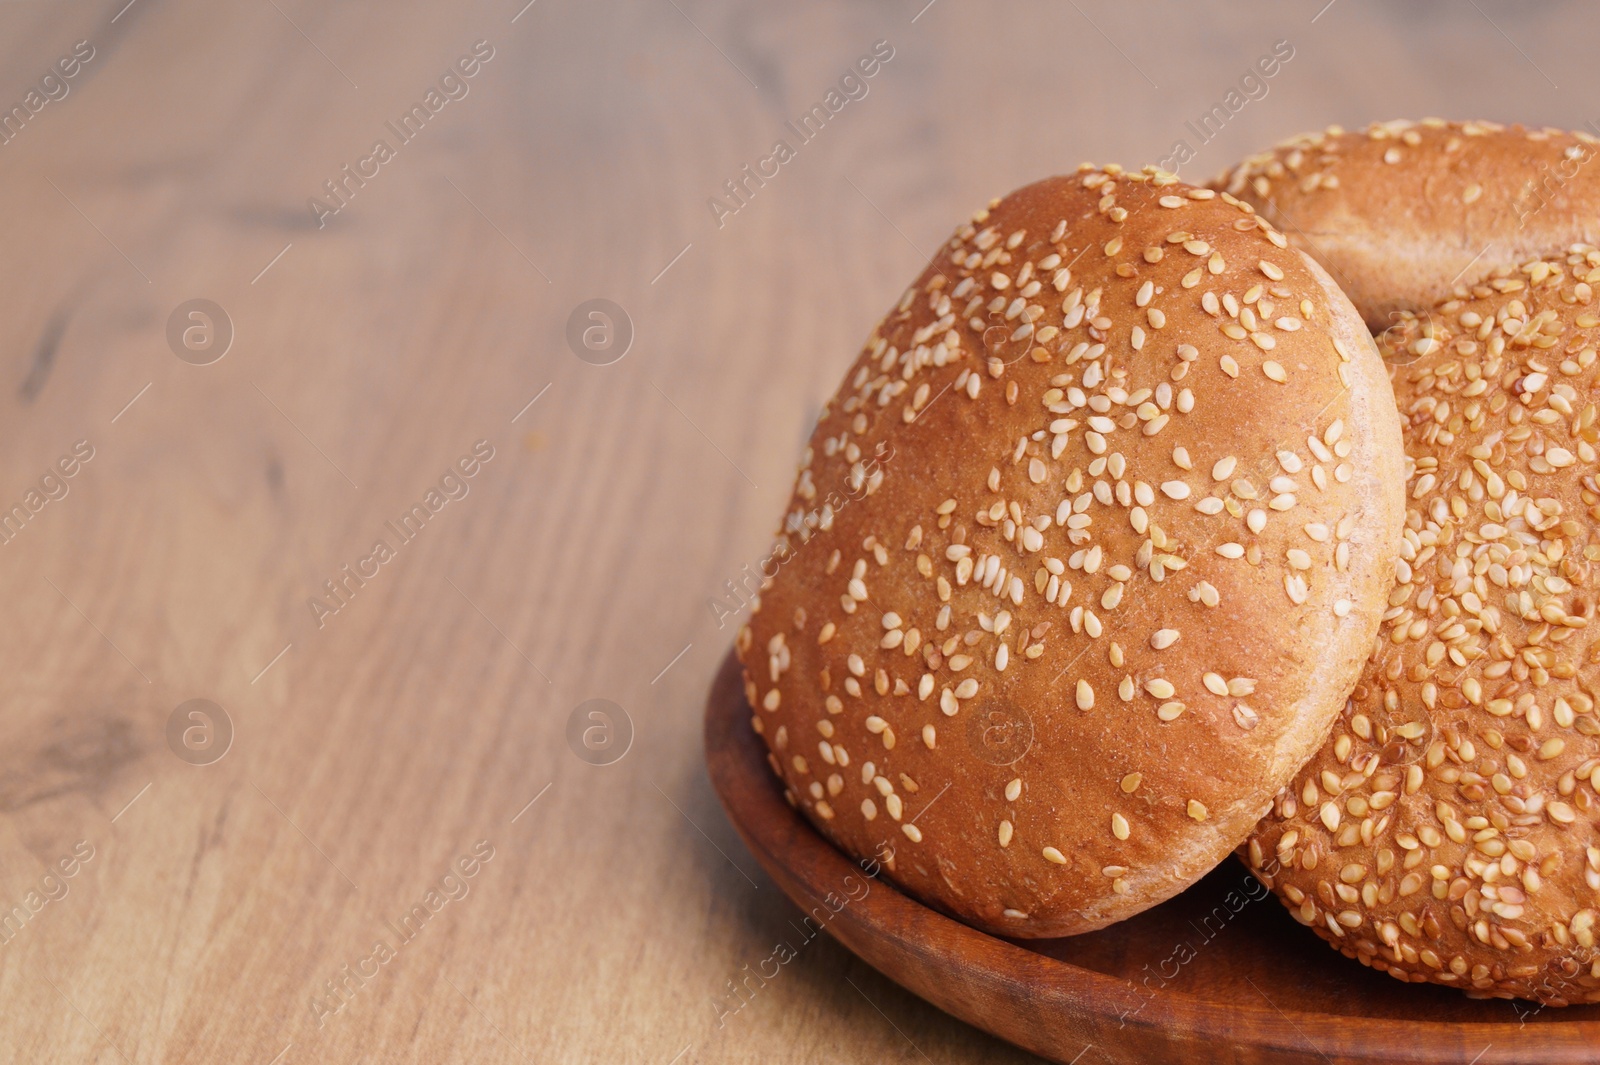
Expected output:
(1158, 522)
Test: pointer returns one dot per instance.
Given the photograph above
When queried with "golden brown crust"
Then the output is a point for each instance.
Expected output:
(1446, 831)
(1083, 557)
(1402, 212)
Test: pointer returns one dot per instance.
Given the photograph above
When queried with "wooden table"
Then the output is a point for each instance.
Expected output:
(229, 894)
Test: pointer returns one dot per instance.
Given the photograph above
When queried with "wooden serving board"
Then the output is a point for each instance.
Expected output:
(1221, 973)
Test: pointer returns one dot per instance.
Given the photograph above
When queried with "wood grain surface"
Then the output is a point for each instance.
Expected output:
(302, 895)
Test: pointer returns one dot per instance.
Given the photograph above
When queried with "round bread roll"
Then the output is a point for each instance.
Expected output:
(1403, 212)
(1083, 558)
(1446, 831)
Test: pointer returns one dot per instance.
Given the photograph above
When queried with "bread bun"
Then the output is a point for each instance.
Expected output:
(1083, 558)
(1403, 212)
(1446, 831)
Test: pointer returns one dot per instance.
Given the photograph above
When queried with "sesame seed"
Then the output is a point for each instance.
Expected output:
(1013, 789)
(1053, 855)
(1161, 639)
(1085, 696)
(1197, 810)
(1119, 826)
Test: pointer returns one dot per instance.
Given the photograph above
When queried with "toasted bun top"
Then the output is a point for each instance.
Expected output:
(1402, 212)
(1083, 557)
(1446, 831)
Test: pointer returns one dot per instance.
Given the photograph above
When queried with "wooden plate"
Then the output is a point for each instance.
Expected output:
(1210, 976)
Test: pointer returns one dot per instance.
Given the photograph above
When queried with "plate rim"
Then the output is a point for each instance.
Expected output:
(778, 837)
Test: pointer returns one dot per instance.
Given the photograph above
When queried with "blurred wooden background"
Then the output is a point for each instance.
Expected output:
(410, 731)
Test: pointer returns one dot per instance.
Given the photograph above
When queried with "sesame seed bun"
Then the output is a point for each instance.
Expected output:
(1402, 212)
(1446, 831)
(1084, 556)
